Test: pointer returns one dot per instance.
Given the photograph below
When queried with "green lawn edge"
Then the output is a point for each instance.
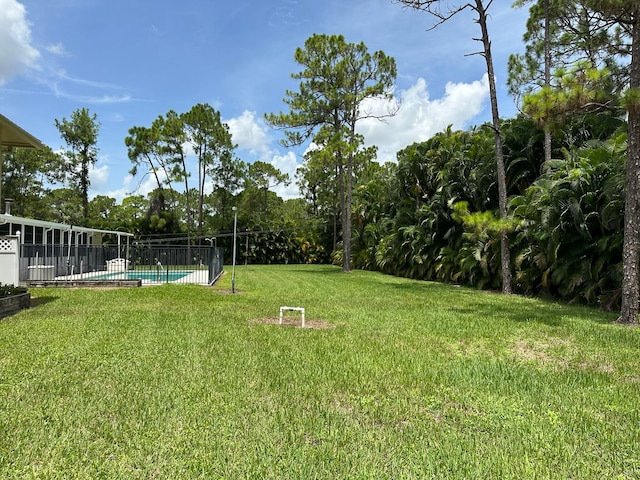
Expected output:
(393, 378)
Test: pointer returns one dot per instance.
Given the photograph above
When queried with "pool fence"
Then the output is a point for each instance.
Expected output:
(152, 264)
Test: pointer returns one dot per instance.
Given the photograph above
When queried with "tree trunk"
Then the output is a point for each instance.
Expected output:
(335, 228)
(547, 75)
(84, 186)
(630, 248)
(155, 173)
(505, 254)
(202, 175)
(200, 216)
(346, 216)
(343, 213)
(188, 203)
(337, 211)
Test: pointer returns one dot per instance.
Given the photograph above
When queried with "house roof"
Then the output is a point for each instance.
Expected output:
(4, 218)
(11, 135)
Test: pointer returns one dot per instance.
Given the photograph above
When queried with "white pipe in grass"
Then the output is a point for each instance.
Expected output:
(292, 309)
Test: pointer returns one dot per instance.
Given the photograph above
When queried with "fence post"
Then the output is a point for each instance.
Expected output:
(9, 261)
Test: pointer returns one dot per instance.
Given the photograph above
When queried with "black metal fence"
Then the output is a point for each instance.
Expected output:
(150, 263)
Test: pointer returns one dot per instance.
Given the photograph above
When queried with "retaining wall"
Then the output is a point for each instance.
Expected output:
(14, 303)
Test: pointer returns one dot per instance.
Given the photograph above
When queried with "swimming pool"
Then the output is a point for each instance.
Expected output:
(148, 275)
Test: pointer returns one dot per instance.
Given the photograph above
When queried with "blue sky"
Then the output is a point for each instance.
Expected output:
(129, 61)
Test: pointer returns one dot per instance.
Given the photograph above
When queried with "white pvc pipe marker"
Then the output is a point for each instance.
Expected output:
(292, 309)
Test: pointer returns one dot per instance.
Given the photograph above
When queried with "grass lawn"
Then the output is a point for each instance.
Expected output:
(403, 380)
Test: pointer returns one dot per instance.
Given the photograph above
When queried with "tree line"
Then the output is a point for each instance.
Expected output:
(545, 203)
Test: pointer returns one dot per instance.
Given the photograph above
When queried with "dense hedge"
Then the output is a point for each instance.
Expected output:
(566, 214)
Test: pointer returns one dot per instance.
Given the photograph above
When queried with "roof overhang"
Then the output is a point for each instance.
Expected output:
(11, 135)
(4, 219)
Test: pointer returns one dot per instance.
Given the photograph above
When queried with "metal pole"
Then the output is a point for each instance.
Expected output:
(246, 250)
(233, 268)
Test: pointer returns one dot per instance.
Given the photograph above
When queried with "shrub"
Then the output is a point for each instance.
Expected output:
(6, 290)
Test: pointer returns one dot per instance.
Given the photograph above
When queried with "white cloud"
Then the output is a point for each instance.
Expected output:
(287, 163)
(116, 117)
(145, 185)
(124, 191)
(419, 117)
(248, 134)
(17, 55)
(57, 49)
(90, 99)
(132, 186)
(251, 135)
(99, 176)
(104, 99)
(80, 90)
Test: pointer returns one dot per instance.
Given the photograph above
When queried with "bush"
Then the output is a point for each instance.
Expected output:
(6, 290)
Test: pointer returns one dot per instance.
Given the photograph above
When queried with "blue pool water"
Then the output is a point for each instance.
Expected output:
(152, 276)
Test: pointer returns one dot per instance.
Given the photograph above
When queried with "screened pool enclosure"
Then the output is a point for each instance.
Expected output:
(53, 252)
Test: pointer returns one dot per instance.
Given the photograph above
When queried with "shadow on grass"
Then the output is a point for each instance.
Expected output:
(517, 308)
(528, 309)
(36, 302)
(319, 269)
(549, 315)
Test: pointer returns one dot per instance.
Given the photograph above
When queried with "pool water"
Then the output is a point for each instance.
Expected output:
(151, 276)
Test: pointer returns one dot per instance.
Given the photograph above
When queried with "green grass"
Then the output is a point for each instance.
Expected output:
(416, 380)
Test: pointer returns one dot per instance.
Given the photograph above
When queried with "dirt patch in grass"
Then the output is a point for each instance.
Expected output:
(223, 291)
(535, 352)
(546, 353)
(294, 322)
